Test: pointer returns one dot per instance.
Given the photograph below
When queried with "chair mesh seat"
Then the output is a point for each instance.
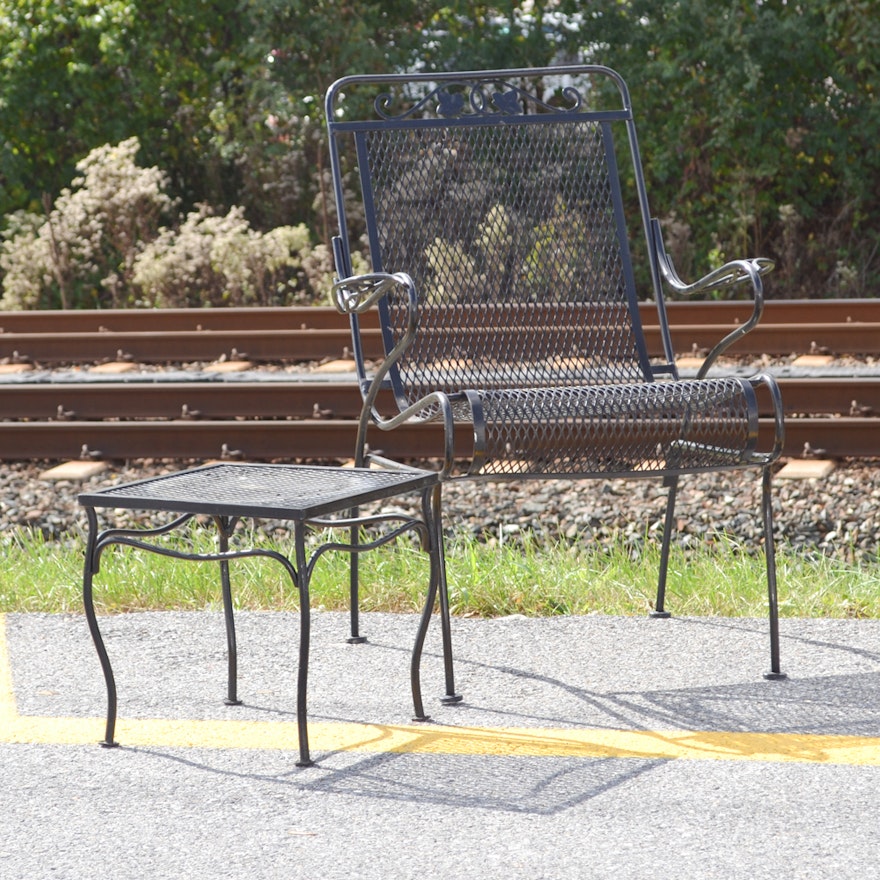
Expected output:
(616, 429)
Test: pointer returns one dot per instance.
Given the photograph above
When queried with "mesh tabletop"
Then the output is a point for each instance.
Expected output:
(285, 491)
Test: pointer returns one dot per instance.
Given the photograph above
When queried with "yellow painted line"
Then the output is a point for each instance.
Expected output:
(435, 740)
(429, 739)
(8, 711)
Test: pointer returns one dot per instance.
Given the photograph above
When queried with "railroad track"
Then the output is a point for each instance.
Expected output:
(303, 334)
(305, 416)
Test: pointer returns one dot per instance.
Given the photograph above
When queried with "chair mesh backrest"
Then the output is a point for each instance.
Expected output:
(508, 215)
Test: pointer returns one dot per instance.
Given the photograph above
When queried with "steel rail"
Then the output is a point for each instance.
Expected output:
(807, 311)
(172, 320)
(181, 346)
(308, 419)
(181, 400)
(308, 334)
(272, 346)
(324, 400)
(321, 440)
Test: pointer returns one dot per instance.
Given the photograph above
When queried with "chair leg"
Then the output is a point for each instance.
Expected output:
(775, 672)
(668, 525)
(433, 507)
(354, 586)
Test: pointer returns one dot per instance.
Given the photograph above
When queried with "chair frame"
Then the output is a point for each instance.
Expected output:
(501, 99)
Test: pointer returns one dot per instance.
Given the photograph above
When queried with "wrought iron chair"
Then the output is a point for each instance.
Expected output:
(511, 248)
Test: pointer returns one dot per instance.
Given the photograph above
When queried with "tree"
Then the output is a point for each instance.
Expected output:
(58, 91)
(758, 120)
(225, 96)
(477, 36)
(76, 74)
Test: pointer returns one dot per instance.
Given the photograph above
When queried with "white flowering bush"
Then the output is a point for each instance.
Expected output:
(81, 252)
(214, 260)
(102, 244)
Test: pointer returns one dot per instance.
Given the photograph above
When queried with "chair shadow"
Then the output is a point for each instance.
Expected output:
(843, 705)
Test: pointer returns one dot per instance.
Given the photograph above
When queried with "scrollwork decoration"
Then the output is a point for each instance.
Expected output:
(478, 98)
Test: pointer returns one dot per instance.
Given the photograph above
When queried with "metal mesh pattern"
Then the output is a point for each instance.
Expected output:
(260, 490)
(507, 213)
(510, 235)
(618, 429)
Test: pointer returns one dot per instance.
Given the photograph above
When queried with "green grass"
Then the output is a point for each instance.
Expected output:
(486, 580)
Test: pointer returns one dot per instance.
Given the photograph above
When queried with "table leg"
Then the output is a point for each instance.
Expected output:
(89, 570)
(433, 513)
(355, 638)
(303, 573)
(224, 528)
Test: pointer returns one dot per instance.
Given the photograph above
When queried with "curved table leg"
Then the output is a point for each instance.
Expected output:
(432, 514)
(90, 569)
(224, 529)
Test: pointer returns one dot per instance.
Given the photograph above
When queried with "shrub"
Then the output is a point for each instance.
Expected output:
(101, 245)
(211, 260)
(82, 252)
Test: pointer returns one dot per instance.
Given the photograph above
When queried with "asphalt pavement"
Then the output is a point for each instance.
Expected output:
(584, 747)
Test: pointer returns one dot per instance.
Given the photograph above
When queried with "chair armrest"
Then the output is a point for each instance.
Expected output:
(356, 295)
(768, 382)
(436, 405)
(736, 272)
(359, 293)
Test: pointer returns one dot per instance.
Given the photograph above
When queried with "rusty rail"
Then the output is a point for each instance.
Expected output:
(844, 437)
(296, 400)
(316, 420)
(307, 419)
(306, 334)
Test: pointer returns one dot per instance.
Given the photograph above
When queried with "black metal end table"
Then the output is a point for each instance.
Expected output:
(304, 495)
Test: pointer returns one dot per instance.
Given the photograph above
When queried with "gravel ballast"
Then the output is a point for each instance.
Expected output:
(836, 515)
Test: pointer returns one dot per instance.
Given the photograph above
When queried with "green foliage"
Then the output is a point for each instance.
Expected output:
(75, 74)
(758, 120)
(82, 252)
(60, 93)
(214, 261)
(716, 577)
(225, 96)
(476, 36)
(758, 123)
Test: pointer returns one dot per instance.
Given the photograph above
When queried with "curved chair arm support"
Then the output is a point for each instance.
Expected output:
(765, 380)
(730, 274)
(428, 409)
(359, 293)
